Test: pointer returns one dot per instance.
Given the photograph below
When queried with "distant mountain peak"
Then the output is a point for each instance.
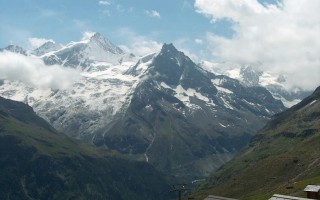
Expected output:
(96, 35)
(49, 43)
(166, 48)
(47, 47)
(107, 45)
(170, 52)
(15, 49)
(170, 56)
(250, 74)
(169, 45)
(93, 51)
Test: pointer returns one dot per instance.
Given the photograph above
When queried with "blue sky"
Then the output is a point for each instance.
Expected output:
(121, 21)
(64, 21)
(280, 35)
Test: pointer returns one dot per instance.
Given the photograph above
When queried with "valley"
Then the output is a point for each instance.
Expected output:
(161, 112)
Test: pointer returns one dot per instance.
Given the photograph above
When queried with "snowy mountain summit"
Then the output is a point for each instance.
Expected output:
(97, 41)
(251, 75)
(14, 49)
(93, 52)
(275, 83)
(46, 48)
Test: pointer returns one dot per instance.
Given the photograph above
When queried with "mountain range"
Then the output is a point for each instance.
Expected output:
(161, 108)
(252, 75)
(282, 158)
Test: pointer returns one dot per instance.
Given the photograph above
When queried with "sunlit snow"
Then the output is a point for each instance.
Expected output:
(185, 94)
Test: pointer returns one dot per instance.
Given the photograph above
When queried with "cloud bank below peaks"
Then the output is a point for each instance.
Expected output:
(284, 37)
(32, 71)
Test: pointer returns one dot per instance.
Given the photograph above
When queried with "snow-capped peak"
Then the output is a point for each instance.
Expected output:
(95, 39)
(92, 51)
(15, 49)
(250, 75)
(46, 48)
(104, 43)
(87, 35)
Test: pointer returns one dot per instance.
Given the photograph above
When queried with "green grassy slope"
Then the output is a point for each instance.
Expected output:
(283, 158)
(36, 162)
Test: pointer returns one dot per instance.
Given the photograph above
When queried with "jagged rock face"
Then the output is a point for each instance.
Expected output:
(163, 109)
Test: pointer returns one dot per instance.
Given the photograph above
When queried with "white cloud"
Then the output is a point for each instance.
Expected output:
(48, 13)
(142, 46)
(153, 13)
(198, 41)
(87, 35)
(191, 55)
(184, 45)
(186, 4)
(37, 42)
(139, 45)
(145, 46)
(120, 8)
(106, 13)
(32, 71)
(283, 37)
(105, 2)
(81, 24)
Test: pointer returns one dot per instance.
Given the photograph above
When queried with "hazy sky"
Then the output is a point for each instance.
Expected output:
(282, 36)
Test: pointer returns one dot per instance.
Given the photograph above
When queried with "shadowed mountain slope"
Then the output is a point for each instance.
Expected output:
(283, 158)
(39, 163)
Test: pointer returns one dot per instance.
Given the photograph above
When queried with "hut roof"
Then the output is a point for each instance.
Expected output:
(212, 197)
(283, 197)
(312, 188)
